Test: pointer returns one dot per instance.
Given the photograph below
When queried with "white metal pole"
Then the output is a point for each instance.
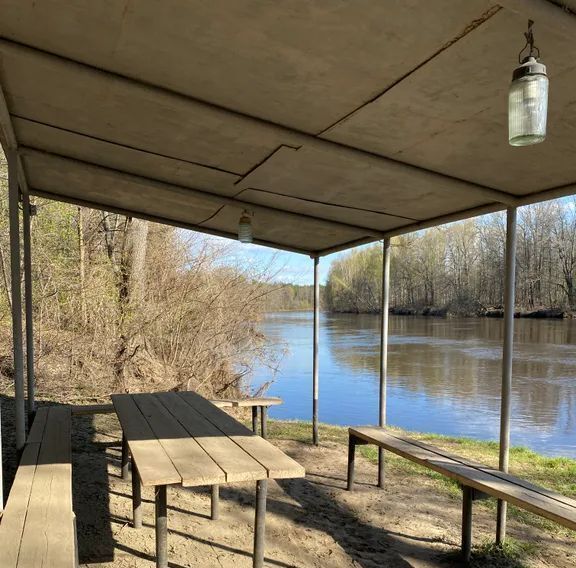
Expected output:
(315, 436)
(14, 218)
(26, 213)
(507, 352)
(384, 307)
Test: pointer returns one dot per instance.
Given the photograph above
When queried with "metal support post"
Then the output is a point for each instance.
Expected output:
(467, 501)
(351, 459)
(315, 435)
(136, 497)
(384, 308)
(14, 219)
(260, 523)
(125, 460)
(161, 527)
(506, 402)
(264, 421)
(26, 214)
(255, 419)
(215, 503)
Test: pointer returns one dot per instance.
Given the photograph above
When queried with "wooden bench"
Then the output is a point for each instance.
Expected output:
(38, 527)
(258, 404)
(477, 481)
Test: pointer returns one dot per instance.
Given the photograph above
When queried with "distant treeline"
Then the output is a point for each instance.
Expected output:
(459, 268)
(286, 297)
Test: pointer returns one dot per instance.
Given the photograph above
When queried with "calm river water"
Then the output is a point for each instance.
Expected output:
(444, 375)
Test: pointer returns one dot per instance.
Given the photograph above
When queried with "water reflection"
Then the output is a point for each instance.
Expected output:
(444, 375)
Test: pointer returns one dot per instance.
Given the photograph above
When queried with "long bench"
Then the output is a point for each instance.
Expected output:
(38, 526)
(477, 480)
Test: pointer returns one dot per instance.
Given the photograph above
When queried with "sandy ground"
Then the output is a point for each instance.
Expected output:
(311, 522)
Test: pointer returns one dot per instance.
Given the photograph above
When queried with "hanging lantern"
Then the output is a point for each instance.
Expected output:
(528, 97)
(245, 228)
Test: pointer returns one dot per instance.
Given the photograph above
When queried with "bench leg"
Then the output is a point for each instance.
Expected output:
(264, 421)
(215, 503)
(467, 500)
(351, 458)
(260, 523)
(381, 468)
(161, 527)
(255, 419)
(125, 458)
(136, 498)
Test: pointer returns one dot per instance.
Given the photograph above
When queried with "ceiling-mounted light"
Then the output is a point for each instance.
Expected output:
(528, 97)
(245, 228)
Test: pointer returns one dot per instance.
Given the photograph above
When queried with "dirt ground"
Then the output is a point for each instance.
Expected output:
(311, 522)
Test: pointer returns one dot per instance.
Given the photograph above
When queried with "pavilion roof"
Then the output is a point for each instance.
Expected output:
(335, 123)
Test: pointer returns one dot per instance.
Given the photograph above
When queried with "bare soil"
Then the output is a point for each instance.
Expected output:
(311, 522)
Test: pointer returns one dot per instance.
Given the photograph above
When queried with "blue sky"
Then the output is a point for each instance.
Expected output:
(289, 266)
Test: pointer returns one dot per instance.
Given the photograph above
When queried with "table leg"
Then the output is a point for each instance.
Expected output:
(255, 419)
(264, 421)
(136, 497)
(351, 457)
(161, 527)
(380, 468)
(260, 523)
(125, 458)
(467, 500)
(215, 507)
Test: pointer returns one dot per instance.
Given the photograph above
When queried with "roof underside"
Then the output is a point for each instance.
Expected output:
(335, 123)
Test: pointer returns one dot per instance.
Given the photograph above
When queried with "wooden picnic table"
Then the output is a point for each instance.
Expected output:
(182, 438)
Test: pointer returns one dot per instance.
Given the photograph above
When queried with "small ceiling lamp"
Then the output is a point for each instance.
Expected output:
(245, 228)
(528, 97)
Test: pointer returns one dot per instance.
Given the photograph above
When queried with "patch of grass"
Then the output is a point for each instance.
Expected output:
(510, 554)
(557, 474)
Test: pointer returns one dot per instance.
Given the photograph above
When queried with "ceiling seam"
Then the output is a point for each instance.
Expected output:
(216, 199)
(35, 191)
(121, 145)
(347, 207)
(467, 30)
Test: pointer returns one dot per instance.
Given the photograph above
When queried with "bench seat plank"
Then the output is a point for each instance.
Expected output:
(48, 539)
(473, 476)
(14, 517)
(261, 401)
(496, 472)
(154, 465)
(275, 461)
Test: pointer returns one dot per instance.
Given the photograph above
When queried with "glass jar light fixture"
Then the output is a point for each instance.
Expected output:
(528, 97)
(245, 228)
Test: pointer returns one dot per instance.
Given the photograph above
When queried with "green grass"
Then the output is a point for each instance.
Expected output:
(557, 474)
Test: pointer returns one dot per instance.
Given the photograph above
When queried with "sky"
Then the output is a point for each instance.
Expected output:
(288, 266)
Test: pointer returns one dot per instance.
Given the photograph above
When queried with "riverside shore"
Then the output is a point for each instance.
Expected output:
(313, 522)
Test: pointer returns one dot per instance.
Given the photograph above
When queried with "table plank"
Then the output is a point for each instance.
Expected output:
(275, 461)
(473, 477)
(193, 464)
(231, 458)
(48, 536)
(154, 465)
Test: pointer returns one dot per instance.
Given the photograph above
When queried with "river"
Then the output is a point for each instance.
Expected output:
(444, 375)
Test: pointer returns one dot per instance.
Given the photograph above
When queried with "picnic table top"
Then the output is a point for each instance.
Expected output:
(180, 437)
